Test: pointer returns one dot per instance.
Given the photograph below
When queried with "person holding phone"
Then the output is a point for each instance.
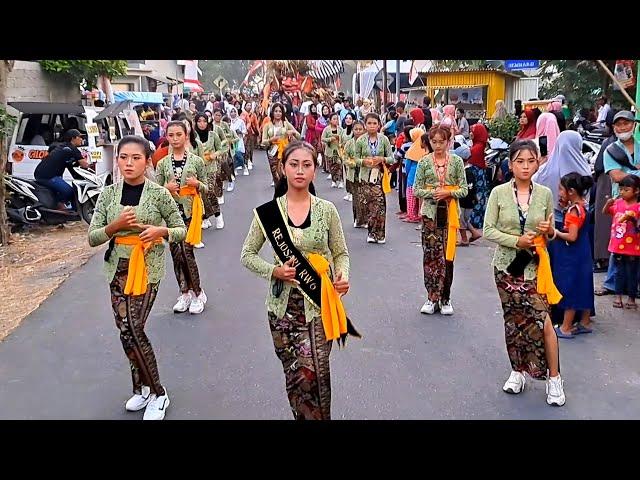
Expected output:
(519, 218)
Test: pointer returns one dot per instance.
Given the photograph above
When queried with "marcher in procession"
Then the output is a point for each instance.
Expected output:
(353, 176)
(131, 215)
(253, 133)
(275, 137)
(240, 129)
(213, 152)
(305, 284)
(225, 173)
(418, 149)
(332, 139)
(480, 137)
(184, 175)
(440, 182)
(347, 134)
(373, 156)
(519, 218)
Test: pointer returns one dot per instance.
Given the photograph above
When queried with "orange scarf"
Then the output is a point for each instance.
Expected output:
(386, 179)
(334, 318)
(453, 222)
(137, 273)
(545, 277)
(194, 234)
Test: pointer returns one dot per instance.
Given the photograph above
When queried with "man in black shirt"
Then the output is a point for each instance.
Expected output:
(51, 168)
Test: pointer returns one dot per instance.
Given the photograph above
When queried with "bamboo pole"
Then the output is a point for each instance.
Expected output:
(615, 80)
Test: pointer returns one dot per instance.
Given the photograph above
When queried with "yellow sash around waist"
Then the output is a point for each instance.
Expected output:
(137, 273)
(194, 234)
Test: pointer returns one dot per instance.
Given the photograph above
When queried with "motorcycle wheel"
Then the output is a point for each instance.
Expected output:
(86, 210)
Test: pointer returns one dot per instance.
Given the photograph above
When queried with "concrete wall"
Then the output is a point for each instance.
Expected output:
(29, 83)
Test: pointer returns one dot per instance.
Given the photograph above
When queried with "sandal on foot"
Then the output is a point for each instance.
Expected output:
(473, 239)
(561, 334)
(617, 304)
(582, 329)
(602, 291)
(631, 306)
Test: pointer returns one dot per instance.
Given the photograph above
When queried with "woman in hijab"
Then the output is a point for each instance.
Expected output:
(418, 117)
(311, 136)
(501, 110)
(566, 157)
(321, 124)
(547, 132)
(556, 108)
(479, 136)
(449, 121)
(527, 126)
(365, 109)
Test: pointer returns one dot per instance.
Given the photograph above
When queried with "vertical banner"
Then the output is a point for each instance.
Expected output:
(624, 74)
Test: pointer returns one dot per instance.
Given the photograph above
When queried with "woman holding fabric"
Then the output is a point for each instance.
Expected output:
(130, 215)
(440, 181)
(373, 156)
(519, 218)
(306, 282)
(353, 176)
(184, 175)
(275, 137)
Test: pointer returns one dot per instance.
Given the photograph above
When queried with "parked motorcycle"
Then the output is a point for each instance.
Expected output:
(497, 161)
(29, 202)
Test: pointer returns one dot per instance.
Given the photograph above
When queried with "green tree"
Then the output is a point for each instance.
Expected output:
(580, 81)
(85, 72)
(6, 127)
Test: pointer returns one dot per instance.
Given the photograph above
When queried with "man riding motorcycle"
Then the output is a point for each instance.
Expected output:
(51, 168)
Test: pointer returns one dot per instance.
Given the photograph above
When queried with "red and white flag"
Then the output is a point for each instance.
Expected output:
(252, 69)
(413, 73)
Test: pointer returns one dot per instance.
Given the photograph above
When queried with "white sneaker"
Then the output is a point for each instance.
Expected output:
(346, 197)
(245, 172)
(515, 384)
(219, 222)
(350, 198)
(446, 308)
(329, 177)
(555, 391)
(157, 407)
(206, 224)
(230, 187)
(371, 240)
(221, 200)
(384, 240)
(184, 301)
(334, 185)
(139, 400)
(355, 224)
(428, 307)
(340, 185)
(238, 168)
(199, 245)
(250, 167)
(197, 304)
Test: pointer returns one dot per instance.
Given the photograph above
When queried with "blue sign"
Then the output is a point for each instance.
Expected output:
(521, 64)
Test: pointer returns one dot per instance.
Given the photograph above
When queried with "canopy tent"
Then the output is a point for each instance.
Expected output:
(139, 97)
(368, 75)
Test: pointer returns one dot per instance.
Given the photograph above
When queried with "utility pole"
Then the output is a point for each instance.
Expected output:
(397, 80)
(384, 86)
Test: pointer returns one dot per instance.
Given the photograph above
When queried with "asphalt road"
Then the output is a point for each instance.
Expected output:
(65, 361)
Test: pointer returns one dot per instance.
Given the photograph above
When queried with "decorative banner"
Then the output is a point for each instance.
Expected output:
(413, 73)
(92, 130)
(624, 74)
(96, 155)
(465, 96)
(112, 134)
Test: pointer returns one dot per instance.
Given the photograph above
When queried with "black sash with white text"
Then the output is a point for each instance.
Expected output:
(275, 230)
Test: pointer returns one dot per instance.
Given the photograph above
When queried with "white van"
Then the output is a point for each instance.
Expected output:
(41, 124)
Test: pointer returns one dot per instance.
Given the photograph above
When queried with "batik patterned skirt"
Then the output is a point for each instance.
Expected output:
(304, 352)
(438, 272)
(525, 311)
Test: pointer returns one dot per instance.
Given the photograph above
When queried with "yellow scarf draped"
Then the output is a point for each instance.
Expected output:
(545, 277)
(386, 179)
(334, 318)
(453, 223)
(194, 234)
(137, 273)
